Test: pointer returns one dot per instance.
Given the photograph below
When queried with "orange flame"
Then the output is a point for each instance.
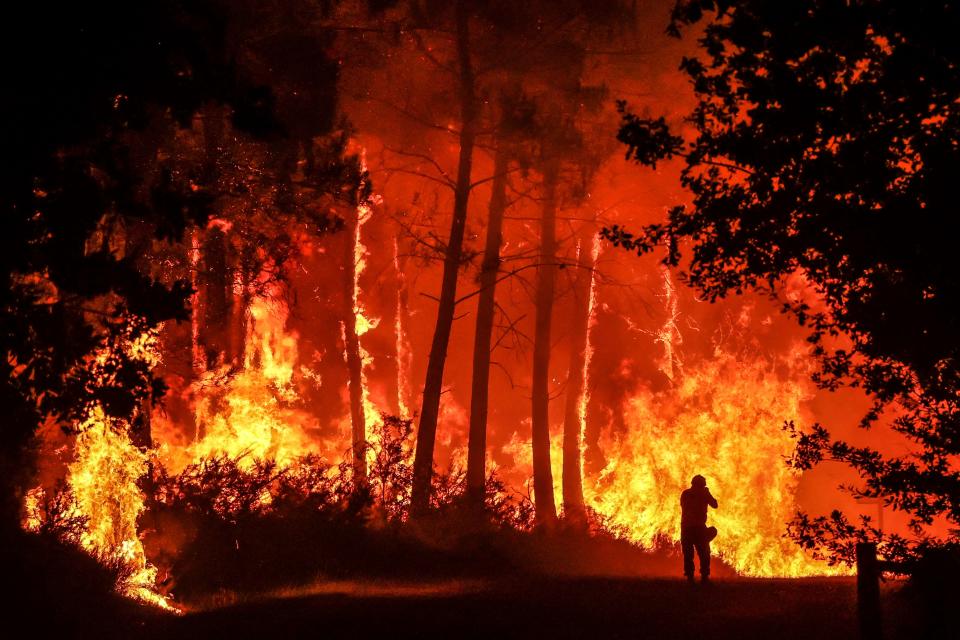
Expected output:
(721, 418)
(250, 413)
(588, 352)
(103, 481)
(371, 413)
(402, 349)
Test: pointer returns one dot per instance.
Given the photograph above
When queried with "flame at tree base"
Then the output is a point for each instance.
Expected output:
(250, 413)
(720, 417)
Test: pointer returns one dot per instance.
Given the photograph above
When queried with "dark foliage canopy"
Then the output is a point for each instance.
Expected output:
(827, 144)
(90, 92)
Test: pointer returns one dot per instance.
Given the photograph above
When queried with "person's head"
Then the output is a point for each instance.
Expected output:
(698, 481)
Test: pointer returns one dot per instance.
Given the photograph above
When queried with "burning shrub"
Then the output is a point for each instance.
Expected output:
(390, 472)
(50, 563)
(54, 513)
(244, 523)
(508, 508)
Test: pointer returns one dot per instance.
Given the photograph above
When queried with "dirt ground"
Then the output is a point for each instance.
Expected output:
(534, 608)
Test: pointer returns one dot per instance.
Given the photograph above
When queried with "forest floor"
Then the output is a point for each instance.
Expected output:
(541, 607)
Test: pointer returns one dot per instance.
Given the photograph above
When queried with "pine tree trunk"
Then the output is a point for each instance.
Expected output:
(402, 345)
(573, 508)
(215, 330)
(479, 396)
(430, 409)
(198, 360)
(213, 334)
(240, 307)
(546, 509)
(352, 355)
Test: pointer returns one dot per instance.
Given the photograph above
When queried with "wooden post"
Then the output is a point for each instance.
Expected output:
(868, 591)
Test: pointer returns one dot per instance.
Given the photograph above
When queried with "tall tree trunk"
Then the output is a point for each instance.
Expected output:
(198, 360)
(402, 344)
(573, 418)
(216, 311)
(240, 309)
(134, 238)
(352, 355)
(479, 394)
(430, 409)
(546, 509)
(216, 282)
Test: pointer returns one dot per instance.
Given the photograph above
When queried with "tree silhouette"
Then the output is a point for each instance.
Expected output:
(92, 178)
(826, 141)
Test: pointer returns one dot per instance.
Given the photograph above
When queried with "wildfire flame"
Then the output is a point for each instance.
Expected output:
(363, 324)
(584, 401)
(250, 413)
(720, 418)
(103, 480)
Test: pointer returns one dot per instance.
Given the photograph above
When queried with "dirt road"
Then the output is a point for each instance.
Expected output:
(535, 608)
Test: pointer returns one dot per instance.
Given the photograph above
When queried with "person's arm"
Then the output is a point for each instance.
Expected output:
(710, 499)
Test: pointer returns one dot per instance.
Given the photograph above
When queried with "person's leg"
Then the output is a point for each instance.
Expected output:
(686, 544)
(703, 552)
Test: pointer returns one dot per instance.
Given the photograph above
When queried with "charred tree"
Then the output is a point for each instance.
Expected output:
(242, 297)
(546, 508)
(479, 395)
(212, 331)
(572, 481)
(215, 330)
(430, 409)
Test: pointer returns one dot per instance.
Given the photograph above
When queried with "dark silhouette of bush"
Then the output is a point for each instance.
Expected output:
(56, 588)
(241, 524)
(244, 524)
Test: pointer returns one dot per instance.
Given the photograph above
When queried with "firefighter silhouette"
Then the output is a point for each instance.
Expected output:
(694, 532)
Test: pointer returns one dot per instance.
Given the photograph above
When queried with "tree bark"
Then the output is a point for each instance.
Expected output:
(546, 509)
(573, 508)
(240, 307)
(352, 355)
(402, 344)
(214, 333)
(479, 394)
(430, 409)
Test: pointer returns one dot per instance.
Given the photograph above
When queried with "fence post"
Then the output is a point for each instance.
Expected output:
(868, 591)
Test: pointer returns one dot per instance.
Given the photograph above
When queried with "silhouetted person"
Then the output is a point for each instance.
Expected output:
(694, 533)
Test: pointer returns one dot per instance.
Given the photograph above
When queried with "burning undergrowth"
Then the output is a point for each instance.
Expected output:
(249, 524)
(252, 496)
(718, 418)
(235, 483)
